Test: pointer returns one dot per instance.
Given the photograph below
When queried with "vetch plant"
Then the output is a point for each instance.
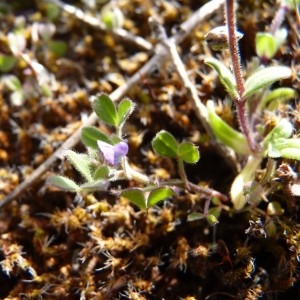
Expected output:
(166, 145)
(106, 160)
(104, 152)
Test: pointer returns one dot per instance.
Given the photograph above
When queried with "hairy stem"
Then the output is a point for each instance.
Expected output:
(237, 70)
(233, 47)
(241, 111)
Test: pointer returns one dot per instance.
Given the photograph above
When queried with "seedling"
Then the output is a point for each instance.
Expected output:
(106, 159)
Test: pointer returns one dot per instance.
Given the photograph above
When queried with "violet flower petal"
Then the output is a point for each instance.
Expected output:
(112, 154)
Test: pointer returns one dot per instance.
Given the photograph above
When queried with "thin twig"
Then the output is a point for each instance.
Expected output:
(204, 12)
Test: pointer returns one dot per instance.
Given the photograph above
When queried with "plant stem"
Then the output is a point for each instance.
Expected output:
(233, 47)
(182, 173)
(237, 70)
(241, 111)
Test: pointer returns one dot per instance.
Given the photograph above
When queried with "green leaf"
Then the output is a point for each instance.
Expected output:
(226, 76)
(112, 16)
(165, 144)
(91, 134)
(136, 196)
(212, 220)
(106, 110)
(101, 173)
(98, 185)
(81, 163)
(7, 62)
(265, 44)
(59, 48)
(282, 130)
(274, 209)
(226, 134)
(125, 108)
(216, 211)
(195, 216)
(290, 153)
(63, 183)
(188, 152)
(276, 96)
(52, 11)
(159, 194)
(12, 82)
(265, 77)
(285, 148)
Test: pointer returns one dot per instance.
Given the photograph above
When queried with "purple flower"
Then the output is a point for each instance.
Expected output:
(112, 154)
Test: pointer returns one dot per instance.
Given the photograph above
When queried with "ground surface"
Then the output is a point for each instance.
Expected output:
(102, 247)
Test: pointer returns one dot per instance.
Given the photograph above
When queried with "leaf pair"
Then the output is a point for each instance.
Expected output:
(166, 145)
(107, 112)
(146, 200)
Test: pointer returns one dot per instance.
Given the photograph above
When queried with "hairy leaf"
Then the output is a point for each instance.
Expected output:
(265, 77)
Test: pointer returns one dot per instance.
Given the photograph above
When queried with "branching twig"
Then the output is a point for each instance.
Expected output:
(187, 27)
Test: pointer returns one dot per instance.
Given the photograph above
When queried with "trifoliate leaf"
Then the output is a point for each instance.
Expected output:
(165, 144)
(91, 134)
(105, 110)
(159, 194)
(136, 196)
(125, 108)
(188, 152)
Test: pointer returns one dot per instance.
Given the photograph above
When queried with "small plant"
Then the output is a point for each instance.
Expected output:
(106, 159)
(268, 43)
(252, 142)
